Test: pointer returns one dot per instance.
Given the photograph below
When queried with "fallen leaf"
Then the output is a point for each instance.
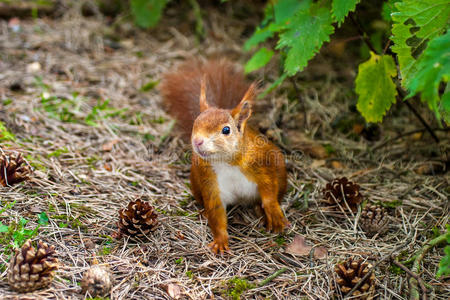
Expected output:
(316, 151)
(320, 252)
(89, 243)
(336, 165)
(417, 136)
(358, 128)
(35, 209)
(109, 145)
(116, 235)
(174, 291)
(317, 163)
(432, 168)
(180, 235)
(298, 246)
(299, 141)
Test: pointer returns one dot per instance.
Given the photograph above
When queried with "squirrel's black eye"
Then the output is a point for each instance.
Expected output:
(226, 130)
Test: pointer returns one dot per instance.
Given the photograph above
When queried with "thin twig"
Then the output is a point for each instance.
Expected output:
(389, 141)
(288, 260)
(413, 275)
(416, 113)
(272, 277)
(199, 27)
(297, 91)
(363, 34)
(420, 255)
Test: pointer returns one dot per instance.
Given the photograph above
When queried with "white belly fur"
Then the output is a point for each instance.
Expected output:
(234, 186)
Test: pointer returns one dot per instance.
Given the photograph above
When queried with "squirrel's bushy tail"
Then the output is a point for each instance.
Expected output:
(180, 89)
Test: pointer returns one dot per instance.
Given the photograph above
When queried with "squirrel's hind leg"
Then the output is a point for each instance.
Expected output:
(274, 216)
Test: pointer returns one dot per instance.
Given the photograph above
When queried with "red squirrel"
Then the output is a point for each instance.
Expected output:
(231, 163)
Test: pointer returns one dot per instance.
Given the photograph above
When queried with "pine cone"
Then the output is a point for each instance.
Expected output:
(97, 280)
(32, 269)
(341, 188)
(138, 219)
(13, 170)
(350, 273)
(374, 220)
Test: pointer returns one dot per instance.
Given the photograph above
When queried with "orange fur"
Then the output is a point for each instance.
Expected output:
(260, 161)
(180, 89)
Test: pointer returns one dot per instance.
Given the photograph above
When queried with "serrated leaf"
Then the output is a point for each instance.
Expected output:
(433, 67)
(444, 265)
(341, 9)
(276, 18)
(258, 60)
(284, 9)
(375, 87)
(445, 101)
(307, 31)
(147, 13)
(415, 24)
(387, 9)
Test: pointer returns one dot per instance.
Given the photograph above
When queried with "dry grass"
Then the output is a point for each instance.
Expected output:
(86, 173)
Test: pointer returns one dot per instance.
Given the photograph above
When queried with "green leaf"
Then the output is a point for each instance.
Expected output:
(23, 222)
(444, 265)
(445, 102)
(43, 218)
(341, 8)
(7, 206)
(276, 19)
(3, 228)
(5, 135)
(258, 60)
(259, 36)
(387, 9)
(433, 67)
(415, 24)
(149, 86)
(307, 31)
(284, 9)
(147, 13)
(375, 88)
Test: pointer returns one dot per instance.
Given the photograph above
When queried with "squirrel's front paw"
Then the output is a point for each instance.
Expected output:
(219, 245)
(276, 222)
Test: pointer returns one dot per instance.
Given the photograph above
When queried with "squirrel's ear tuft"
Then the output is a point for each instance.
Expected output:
(241, 113)
(250, 94)
(203, 103)
(244, 109)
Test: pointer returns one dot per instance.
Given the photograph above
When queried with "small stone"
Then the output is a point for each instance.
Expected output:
(34, 67)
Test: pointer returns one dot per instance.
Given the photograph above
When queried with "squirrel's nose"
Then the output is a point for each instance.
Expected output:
(198, 142)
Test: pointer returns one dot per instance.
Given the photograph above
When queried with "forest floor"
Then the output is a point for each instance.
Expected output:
(91, 157)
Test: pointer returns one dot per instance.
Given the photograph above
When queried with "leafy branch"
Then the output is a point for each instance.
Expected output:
(381, 103)
(420, 46)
